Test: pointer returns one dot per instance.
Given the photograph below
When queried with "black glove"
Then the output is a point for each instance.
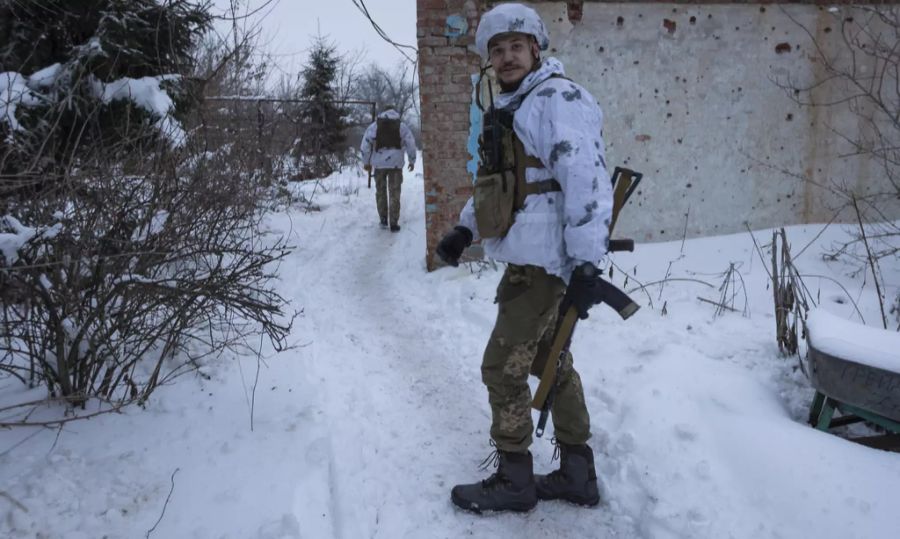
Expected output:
(451, 246)
(583, 290)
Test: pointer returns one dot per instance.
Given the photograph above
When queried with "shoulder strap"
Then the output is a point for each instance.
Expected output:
(523, 187)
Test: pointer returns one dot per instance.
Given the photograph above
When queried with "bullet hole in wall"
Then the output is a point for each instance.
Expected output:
(693, 20)
(789, 117)
(827, 29)
(620, 21)
(762, 9)
(669, 25)
(601, 49)
(782, 48)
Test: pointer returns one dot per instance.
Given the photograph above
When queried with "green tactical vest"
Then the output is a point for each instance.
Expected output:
(500, 190)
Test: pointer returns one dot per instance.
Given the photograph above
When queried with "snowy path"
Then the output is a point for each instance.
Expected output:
(408, 405)
(362, 429)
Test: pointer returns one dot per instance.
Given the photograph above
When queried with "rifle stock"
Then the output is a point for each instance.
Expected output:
(624, 181)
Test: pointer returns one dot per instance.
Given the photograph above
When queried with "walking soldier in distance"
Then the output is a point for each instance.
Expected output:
(542, 204)
(382, 149)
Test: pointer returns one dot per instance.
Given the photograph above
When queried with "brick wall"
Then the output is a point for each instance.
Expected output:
(447, 58)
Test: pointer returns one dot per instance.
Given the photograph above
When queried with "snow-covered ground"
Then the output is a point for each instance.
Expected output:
(363, 428)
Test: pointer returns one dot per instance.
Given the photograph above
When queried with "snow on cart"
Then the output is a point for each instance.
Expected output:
(855, 370)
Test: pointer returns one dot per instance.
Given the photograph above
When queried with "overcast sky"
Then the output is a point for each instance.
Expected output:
(291, 25)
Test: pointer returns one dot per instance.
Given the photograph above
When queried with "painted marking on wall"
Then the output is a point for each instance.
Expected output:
(457, 26)
(475, 119)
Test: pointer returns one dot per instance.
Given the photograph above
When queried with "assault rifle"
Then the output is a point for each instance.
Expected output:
(624, 182)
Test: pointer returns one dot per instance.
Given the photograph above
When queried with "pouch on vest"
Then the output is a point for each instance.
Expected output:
(495, 184)
(494, 199)
(387, 133)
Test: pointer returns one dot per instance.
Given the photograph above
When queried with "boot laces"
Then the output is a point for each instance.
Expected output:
(557, 476)
(556, 449)
(493, 460)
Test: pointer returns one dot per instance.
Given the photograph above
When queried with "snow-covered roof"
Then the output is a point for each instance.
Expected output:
(859, 343)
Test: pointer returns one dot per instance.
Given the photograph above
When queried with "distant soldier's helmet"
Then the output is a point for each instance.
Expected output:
(507, 18)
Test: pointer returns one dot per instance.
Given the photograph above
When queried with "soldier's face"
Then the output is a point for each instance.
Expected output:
(512, 56)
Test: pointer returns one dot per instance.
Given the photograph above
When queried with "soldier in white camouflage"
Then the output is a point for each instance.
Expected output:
(556, 237)
(383, 145)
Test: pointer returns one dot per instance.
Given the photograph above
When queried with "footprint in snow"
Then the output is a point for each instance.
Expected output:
(685, 432)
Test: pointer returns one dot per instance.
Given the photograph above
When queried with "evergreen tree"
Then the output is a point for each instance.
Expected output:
(323, 119)
(86, 74)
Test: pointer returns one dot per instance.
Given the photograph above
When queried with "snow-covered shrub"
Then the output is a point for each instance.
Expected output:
(130, 248)
(136, 276)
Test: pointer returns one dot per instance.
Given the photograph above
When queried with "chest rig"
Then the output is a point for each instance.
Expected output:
(500, 184)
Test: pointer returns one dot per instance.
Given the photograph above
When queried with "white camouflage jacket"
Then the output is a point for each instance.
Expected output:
(560, 123)
(388, 157)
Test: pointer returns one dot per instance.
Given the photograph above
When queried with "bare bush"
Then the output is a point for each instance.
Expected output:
(857, 75)
(169, 265)
(140, 250)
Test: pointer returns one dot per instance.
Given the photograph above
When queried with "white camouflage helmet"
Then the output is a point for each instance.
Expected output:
(510, 18)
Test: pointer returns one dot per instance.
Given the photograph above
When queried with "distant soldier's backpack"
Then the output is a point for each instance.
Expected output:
(387, 134)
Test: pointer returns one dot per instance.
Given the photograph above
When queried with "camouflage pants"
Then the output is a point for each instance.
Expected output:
(388, 179)
(528, 301)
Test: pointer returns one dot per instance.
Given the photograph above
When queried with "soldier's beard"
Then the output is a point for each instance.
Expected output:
(507, 87)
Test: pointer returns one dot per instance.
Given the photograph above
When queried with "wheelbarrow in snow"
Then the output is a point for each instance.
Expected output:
(855, 370)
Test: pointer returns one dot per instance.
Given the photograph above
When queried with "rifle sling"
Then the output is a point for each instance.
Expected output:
(560, 341)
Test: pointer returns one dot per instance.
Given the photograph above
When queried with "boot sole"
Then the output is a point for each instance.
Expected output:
(519, 508)
(571, 501)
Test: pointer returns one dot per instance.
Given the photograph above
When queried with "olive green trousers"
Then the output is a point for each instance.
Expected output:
(528, 302)
(387, 185)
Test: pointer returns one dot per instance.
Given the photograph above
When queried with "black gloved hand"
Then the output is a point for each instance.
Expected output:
(583, 290)
(451, 246)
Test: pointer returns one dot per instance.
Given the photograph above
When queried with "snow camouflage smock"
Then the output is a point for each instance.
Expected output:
(388, 157)
(560, 123)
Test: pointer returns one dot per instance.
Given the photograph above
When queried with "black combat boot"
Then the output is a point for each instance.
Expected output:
(575, 481)
(510, 488)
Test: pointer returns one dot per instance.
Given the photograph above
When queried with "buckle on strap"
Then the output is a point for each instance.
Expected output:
(541, 187)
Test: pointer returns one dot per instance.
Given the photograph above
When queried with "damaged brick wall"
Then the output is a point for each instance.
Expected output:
(446, 37)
